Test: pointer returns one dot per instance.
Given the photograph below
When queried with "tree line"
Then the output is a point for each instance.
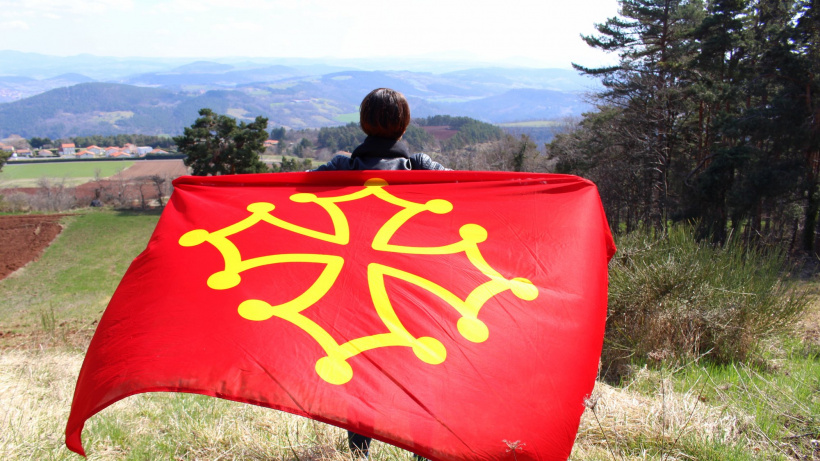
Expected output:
(349, 136)
(217, 144)
(710, 116)
(469, 131)
(164, 142)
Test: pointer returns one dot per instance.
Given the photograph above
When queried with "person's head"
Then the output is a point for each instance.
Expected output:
(384, 113)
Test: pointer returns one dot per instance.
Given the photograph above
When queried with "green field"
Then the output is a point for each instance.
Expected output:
(27, 174)
(73, 280)
(347, 118)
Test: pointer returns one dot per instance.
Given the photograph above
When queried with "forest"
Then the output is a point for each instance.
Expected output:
(468, 132)
(711, 117)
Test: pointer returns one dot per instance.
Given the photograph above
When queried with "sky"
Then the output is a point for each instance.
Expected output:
(533, 33)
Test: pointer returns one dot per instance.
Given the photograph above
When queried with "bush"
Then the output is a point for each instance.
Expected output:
(14, 202)
(48, 197)
(673, 299)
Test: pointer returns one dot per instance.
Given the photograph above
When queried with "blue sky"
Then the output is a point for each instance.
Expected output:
(535, 33)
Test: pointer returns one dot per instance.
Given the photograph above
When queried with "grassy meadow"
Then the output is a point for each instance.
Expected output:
(766, 407)
(74, 173)
(352, 117)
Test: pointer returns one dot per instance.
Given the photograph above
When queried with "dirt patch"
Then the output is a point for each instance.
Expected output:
(134, 184)
(146, 168)
(810, 324)
(25, 238)
(441, 133)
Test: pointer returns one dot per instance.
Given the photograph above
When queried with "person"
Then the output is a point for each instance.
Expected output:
(384, 116)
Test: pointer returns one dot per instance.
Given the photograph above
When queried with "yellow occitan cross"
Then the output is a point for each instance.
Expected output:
(334, 367)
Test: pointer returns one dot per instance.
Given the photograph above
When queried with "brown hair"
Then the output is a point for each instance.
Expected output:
(384, 113)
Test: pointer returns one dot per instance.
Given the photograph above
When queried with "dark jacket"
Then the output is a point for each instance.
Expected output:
(381, 154)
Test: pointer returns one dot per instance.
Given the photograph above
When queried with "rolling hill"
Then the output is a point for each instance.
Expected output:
(168, 99)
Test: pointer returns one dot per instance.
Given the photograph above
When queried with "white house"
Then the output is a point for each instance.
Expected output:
(68, 149)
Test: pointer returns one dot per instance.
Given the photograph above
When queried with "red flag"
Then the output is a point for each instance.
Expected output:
(459, 315)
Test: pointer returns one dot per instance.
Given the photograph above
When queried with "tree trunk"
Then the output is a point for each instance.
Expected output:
(810, 223)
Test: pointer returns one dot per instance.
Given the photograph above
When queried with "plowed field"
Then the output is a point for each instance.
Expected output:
(164, 168)
(24, 239)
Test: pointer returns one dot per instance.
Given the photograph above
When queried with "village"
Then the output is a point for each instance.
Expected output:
(69, 150)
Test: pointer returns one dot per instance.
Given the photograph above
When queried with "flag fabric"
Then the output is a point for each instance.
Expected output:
(458, 315)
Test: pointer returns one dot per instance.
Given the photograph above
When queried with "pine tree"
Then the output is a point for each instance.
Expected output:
(799, 99)
(652, 40)
(719, 151)
(216, 145)
(4, 156)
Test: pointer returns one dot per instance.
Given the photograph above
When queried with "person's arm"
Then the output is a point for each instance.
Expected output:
(424, 162)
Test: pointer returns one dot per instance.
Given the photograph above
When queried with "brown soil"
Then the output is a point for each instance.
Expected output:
(24, 239)
(441, 133)
(134, 181)
(165, 168)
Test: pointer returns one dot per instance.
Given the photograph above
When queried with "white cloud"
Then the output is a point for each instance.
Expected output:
(221, 7)
(63, 7)
(240, 27)
(541, 32)
(14, 25)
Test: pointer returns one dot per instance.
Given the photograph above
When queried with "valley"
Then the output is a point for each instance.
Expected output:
(164, 100)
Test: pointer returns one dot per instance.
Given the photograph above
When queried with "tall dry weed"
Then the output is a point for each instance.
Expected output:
(658, 422)
(36, 388)
(672, 298)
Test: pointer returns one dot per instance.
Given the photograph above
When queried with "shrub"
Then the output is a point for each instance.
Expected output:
(48, 197)
(673, 299)
(14, 202)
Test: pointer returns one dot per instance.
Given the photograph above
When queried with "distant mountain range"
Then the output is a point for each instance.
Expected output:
(93, 95)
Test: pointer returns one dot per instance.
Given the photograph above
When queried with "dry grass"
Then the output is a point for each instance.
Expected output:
(35, 393)
(809, 325)
(36, 388)
(700, 411)
(623, 423)
(647, 419)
